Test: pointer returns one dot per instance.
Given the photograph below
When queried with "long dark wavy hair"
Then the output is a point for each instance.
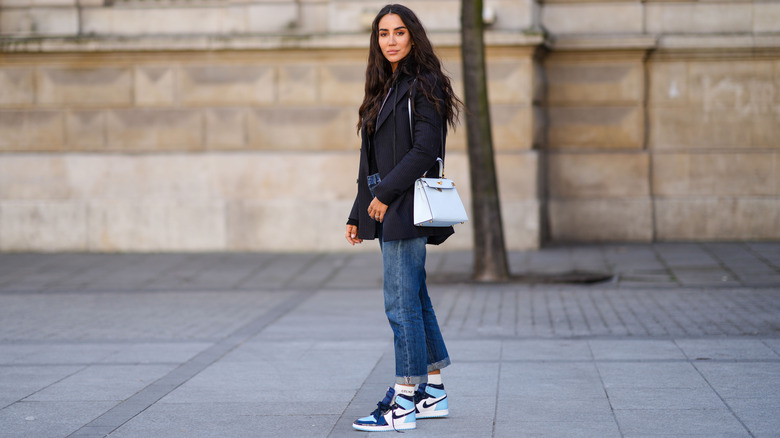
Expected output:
(421, 63)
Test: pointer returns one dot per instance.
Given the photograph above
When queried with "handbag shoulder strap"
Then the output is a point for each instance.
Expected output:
(440, 159)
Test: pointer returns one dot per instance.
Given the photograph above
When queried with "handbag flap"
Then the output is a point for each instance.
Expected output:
(438, 183)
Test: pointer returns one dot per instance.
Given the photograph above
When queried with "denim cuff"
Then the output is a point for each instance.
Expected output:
(411, 380)
(416, 380)
(439, 365)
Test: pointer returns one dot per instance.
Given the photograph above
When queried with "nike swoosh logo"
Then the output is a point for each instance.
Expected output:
(402, 415)
(426, 405)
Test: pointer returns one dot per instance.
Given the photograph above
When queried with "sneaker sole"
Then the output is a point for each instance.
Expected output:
(434, 414)
(405, 426)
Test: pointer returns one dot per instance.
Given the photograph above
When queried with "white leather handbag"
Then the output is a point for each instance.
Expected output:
(436, 202)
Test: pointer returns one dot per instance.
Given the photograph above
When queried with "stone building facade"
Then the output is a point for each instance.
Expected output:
(169, 125)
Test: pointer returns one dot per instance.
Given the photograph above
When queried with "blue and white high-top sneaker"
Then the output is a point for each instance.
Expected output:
(389, 414)
(431, 401)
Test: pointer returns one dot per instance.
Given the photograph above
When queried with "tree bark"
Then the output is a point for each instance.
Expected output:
(490, 262)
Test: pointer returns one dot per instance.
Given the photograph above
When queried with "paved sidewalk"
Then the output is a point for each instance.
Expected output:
(683, 341)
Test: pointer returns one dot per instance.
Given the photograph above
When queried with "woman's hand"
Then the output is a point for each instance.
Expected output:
(377, 210)
(352, 235)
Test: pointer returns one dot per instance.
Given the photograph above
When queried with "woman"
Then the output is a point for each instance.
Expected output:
(395, 151)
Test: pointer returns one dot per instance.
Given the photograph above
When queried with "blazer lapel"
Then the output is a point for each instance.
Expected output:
(400, 90)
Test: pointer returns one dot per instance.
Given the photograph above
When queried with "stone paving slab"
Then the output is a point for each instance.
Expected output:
(48, 419)
(255, 345)
(661, 264)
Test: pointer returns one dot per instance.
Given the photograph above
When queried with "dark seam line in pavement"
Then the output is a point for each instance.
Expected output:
(142, 400)
(75, 271)
(499, 313)
(583, 313)
(632, 310)
(516, 319)
(306, 266)
(69, 375)
(531, 312)
(669, 272)
(171, 268)
(722, 264)
(603, 319)
(498, 390)
(253, 272)
(751, 319)
(567, 310)
(31, 270)
(722, 400)
(690, 311)
(216, 266)
(335, 271)
(99, 266)
(548, 312)
(754, 308)
(371, 378)
(763, 341)
(716, 306)
(670, 315)
(761, 257)
(653, 312)
(606, 393)
(165, 269)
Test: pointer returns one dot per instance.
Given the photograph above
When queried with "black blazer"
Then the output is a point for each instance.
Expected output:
(396, 189)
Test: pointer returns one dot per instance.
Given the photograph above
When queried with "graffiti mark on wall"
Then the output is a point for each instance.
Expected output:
(745, 97)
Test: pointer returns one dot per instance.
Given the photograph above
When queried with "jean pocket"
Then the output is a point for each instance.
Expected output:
(373, 181)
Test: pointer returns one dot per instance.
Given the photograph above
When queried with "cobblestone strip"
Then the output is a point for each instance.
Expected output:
(125, 411)
(568, 312)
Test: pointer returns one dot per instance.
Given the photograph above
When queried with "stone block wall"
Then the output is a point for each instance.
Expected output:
(597, 175)
(662, 120)
(716, 149)
(177, 151)
(249, 150)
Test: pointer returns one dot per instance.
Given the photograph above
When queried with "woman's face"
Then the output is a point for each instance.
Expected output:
(394, 39)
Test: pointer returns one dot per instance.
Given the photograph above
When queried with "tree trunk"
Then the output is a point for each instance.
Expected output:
(490, 263)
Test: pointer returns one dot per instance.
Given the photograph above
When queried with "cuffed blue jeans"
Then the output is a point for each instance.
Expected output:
(419, 345)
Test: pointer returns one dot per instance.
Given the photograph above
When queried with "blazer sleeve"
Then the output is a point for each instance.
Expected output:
(428, 131)
(353, 215)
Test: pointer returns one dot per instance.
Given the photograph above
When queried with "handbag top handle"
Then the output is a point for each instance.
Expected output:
(441, 167)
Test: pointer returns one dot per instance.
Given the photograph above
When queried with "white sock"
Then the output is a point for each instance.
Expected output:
(434, 379)
(405, 390)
